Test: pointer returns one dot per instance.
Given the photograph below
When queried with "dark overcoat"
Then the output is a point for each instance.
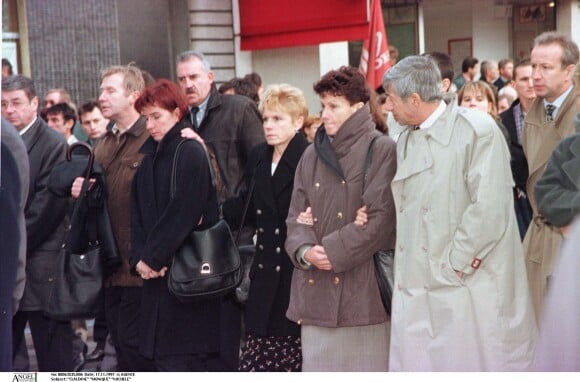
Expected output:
(159, 224)
(44, 214)
(558, 190)
(519, 164)
(231, 127)
(271, 273)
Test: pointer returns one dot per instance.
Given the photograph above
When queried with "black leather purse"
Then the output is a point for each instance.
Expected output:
(207, 265)
(384, 260)
(77, 289)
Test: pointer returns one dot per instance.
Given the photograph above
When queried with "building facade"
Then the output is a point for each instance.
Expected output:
(65, 43)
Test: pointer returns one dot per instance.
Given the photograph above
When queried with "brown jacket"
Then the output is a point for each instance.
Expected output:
(120, 158)
(542, 241)
(329, 179)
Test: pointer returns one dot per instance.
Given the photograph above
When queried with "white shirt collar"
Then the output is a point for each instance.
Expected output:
(430, 121)
(21, 132)
(558, 101)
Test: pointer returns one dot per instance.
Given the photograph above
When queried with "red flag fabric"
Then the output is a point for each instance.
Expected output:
(375, 60)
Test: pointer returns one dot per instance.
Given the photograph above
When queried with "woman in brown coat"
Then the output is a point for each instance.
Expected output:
(334, 294)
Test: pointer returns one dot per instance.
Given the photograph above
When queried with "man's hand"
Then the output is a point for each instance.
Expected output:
(190, 134)
(317, 257)
(77, 186)
(565, 230)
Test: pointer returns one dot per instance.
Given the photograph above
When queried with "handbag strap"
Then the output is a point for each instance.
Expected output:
(173, 182)
(368, 161)
(246, 206)
(91, 223)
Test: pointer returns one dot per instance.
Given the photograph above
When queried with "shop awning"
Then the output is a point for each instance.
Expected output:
(283, 23)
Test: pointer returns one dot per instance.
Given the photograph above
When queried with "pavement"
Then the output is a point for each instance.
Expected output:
(31, 364)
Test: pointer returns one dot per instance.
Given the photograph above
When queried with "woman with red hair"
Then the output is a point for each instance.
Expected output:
(177, 336)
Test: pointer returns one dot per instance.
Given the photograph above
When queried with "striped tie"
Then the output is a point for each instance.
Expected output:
(550, 112)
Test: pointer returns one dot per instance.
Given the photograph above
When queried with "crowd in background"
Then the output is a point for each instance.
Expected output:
(473, 182)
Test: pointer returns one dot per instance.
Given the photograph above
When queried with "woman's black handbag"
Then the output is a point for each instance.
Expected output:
(77, 290)
(384, 260)
(207, 265)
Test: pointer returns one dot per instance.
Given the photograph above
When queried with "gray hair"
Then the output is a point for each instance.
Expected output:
(570, 54)
(19, 82)
(190, 54)
(415, 74)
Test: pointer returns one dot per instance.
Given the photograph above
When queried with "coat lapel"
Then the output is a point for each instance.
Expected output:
(326, 153)
(542, 137)
(264, 177)
(414, 149)
(284, 175)
(30, 138)
(415, 156)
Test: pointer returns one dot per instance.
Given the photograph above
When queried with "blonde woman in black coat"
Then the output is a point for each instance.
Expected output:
(272, 341)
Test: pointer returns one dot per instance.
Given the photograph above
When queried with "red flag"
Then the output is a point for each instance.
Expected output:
(375, 60)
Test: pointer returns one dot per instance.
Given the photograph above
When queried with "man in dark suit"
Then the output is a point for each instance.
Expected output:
(513, 120)
(13, 193)
(45, 227)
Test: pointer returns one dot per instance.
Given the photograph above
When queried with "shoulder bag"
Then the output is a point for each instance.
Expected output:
(247, 252)
(383, 260)
(77, 289)
(207, 264)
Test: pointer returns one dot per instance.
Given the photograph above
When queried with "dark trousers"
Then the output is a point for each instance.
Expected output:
(231, 335)
(188, 362)
(52, 339)
(100, 329)
(122, 309)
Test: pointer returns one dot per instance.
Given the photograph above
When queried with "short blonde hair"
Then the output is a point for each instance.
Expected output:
(287, 98)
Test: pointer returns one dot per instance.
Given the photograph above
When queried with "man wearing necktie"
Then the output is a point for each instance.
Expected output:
(229, 126)
(549, 120)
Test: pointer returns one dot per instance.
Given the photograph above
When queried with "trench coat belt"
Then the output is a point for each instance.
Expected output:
(539, 221)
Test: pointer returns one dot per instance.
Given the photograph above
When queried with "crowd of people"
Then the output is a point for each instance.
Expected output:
(473, 182)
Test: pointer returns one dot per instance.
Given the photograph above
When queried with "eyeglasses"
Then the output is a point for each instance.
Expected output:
(16, 104)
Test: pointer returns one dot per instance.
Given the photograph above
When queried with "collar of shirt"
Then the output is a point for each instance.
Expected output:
(116, 131)
(21, 132)
(558, 101)
(430, 121)
(202, 108)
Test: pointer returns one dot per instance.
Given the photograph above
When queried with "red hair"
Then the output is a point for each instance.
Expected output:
(164, 94)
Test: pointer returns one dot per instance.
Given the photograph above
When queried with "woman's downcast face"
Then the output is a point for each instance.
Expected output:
(159, 120)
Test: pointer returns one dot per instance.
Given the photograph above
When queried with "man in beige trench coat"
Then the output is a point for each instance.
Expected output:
(554, 58)
(461, 300)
